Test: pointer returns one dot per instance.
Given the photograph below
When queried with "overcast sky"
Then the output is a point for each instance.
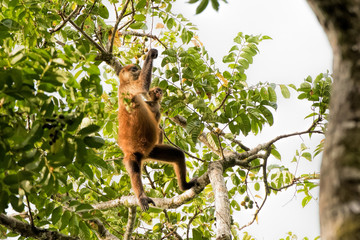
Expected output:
(299, 48)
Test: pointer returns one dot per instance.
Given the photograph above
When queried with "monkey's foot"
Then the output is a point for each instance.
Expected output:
(192, 183)
(144, 202)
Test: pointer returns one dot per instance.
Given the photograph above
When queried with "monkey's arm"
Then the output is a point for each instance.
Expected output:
(146, 71)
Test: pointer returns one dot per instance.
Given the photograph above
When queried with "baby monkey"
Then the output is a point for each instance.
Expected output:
(154, 105)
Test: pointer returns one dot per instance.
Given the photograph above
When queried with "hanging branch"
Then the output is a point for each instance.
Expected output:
(130, 224)
(266, 156)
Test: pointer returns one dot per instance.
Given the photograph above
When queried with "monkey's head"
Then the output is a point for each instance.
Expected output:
(129, 73)
(129, 79)
(155, 94)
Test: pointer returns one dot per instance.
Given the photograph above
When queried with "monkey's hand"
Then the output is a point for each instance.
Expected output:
(144, 202)
(153, 53)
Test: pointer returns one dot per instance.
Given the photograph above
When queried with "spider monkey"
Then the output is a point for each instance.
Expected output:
(138, 133)
(154, 105)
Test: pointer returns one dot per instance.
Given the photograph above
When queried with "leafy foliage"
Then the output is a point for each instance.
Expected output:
(58, 116)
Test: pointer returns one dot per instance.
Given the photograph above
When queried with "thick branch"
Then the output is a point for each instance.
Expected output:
(26, 230)
(111, 60)
(222, 203)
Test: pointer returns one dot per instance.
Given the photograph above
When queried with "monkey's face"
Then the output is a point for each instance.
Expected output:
(129, 73)
(156, 94)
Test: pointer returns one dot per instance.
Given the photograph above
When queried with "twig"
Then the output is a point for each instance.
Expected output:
(118, 19)
(87, 15)
(30, 213)
(102, 50)
(137, 34)
(223, 101)
(190, 221)
(149, 178)
(187, 153)
(268, 151)
(57, 28)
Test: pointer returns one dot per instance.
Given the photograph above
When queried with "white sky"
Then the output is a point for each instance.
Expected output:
(299, 48)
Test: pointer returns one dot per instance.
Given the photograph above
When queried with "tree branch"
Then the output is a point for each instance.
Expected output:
(98, 46)
(76, 11)
(133, 33)
(266, 156)
(103, 232)
(26, 230)
(118, 19)
(222, 203)
(130, 224)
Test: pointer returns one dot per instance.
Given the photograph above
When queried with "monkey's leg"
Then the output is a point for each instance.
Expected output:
(176, 157)
(132, 163)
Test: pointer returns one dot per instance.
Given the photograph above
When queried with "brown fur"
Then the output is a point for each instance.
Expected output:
(138, 132)
(155, 95)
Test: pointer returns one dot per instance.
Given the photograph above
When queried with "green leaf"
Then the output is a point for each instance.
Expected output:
(202, 6)
(272, 95)
(85, 232)
(267, 114)
(157, 227)
(11, 179)
(56, 215)
(197, 235)
(215, 4)
(235, 205)
(84, 207)
(307, 156)
(74, 225)
(4, 199)
(94, 142)
(257, 186)
(284, 91)
(235, 179)
(264, 93)
(275, 153)
(103, 12)
(138, 25)
(65, 218)
(89, 129)
(139, 17)
(170, 23)
(17, 203)
(306, 200)
(141, 4)
(305, 86)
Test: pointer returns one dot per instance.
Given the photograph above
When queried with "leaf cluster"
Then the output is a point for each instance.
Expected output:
(58, 119)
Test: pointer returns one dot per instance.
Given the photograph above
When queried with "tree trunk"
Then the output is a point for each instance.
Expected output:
(340, 170)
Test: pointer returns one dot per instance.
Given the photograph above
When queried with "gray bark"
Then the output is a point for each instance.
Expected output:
(222, 203)
(340, 170)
